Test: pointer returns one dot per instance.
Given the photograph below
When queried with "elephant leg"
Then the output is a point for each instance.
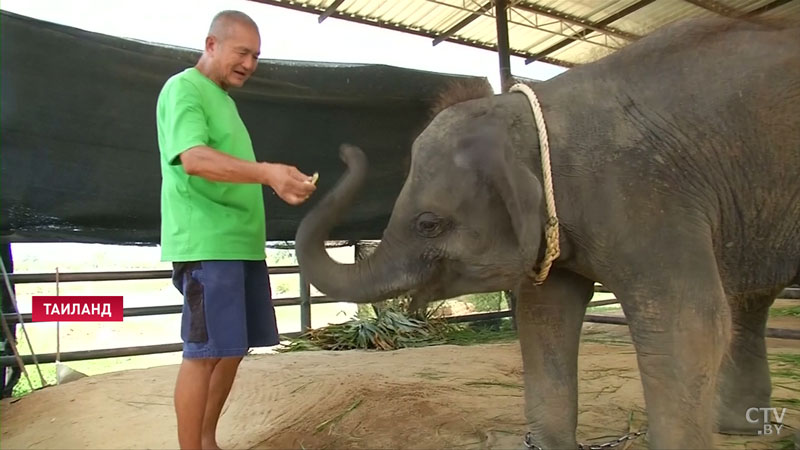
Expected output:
(549, 320)
(680, 323)
(744, 379)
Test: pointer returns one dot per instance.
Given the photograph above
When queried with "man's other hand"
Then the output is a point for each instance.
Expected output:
(291, 185)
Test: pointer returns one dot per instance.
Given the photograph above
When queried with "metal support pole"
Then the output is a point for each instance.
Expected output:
(503, 51)
(305, 304)
(512, 306)
(10, 374)
(330, 11)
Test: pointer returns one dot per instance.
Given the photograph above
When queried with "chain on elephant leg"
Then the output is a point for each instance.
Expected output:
(679, 370)
(549, 323)
(550, 390)
(547, 432)
(529, 441)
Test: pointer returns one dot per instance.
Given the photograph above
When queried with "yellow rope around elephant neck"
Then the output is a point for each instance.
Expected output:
(551, 227)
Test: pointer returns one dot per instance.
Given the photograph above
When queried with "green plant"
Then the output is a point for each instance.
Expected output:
(491, 301)
(282, 287)
(391, 328)
(365, 310)
(281, 257)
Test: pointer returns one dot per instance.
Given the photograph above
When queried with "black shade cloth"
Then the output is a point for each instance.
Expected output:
(78, 139)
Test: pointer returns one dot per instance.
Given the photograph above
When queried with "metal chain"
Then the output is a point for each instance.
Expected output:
(528, 441)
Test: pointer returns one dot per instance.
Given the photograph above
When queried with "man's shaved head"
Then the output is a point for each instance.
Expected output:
(232, 48)
(222, 22)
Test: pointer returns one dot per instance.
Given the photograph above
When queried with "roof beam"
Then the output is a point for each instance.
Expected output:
(603, 23)
(724, 10)
(577, 21)
(464, 22)
(767, 7)
(715, 7)
(331, 9)
(395, 27)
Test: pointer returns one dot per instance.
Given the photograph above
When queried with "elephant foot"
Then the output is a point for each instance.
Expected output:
(744, 386)
(735, 421)
(741, 402)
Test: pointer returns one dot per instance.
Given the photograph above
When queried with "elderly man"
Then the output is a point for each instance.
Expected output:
(213, 225)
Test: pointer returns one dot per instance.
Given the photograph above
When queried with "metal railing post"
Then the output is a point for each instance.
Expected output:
(512, 306)
(11, 373)
(305, 304)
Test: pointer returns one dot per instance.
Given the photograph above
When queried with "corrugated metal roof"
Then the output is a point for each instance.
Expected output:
(562, 32)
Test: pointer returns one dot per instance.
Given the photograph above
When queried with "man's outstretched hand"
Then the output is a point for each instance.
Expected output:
(291, 185)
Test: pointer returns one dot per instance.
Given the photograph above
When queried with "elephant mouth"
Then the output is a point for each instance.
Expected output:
(432, 282)
(426, 294)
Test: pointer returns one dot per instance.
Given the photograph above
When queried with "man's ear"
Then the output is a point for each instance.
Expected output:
(489, 152)
(211, 44)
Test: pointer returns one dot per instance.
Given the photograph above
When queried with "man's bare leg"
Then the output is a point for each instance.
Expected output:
(191, 396)
(219, 388)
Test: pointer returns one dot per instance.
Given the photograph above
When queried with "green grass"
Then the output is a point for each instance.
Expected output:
(787, 358)
(785, 365)
(430, 375)
(791, 374)
(599, 338)
(330, 423)
(784, 444)
(48, 371)
(789, 311)
(604, 308)
(792, 403)
(481, 333)
(22, 387)
(89, 367)
(495, 383)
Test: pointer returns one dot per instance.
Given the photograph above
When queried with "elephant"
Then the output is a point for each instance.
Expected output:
(675, 170)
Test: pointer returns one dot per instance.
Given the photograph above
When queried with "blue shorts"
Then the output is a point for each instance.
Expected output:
(227, 307)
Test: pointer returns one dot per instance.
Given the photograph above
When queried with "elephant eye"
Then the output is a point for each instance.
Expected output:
(429, 225)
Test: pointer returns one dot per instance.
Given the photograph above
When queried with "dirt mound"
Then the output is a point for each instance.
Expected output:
(434, 397)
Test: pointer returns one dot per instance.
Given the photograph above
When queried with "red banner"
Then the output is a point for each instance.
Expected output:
(77, 308)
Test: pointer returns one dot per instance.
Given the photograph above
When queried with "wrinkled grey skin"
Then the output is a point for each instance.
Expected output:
(676, 167)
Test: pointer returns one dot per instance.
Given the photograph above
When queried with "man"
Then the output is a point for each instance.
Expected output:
(213, 225)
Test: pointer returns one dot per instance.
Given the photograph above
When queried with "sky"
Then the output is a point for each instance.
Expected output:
(285, 34)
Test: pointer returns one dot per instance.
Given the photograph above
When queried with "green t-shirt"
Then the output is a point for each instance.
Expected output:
(202, 219)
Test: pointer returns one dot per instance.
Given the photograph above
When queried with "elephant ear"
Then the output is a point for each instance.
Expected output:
(490, 153)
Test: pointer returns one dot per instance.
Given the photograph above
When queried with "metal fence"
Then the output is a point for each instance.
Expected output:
(305, 301)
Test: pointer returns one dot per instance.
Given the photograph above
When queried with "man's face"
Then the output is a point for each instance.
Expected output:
(235, 55)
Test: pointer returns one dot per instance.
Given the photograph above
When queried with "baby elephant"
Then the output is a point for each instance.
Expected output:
(670, 173)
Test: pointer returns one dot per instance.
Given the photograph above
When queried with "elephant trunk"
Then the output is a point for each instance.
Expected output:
(376, 278)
